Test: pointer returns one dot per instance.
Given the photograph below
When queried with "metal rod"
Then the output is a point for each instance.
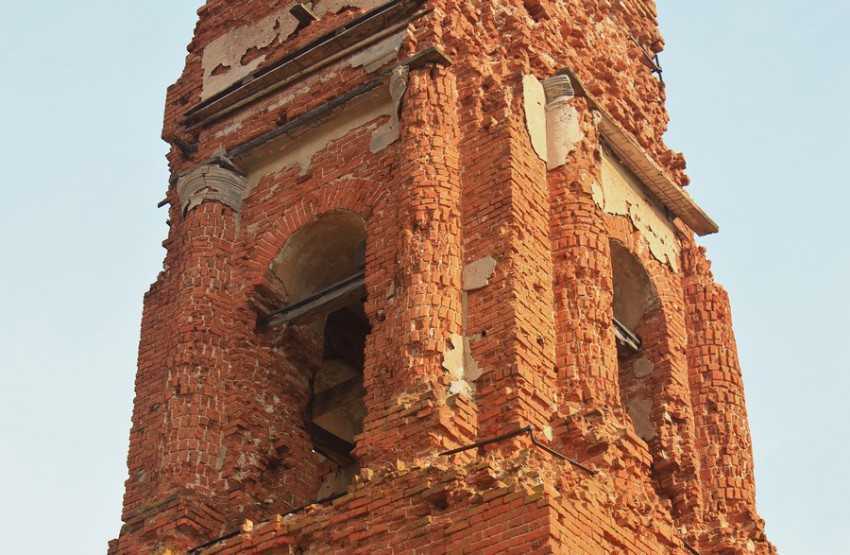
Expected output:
(431, 54)
(318, 295)
(324, 39)
(524, 430)
(653, 62)
(559, 455)
(302, 119)
(690, 548)
(484, 442)
(295, 510)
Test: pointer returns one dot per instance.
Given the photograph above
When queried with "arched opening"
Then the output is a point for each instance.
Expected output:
(637, 325)
(321, 273)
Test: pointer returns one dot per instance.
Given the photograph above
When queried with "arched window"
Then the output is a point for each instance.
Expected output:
(321, 269)
(636, 325)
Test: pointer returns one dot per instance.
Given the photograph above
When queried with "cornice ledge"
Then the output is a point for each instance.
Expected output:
(645, 168)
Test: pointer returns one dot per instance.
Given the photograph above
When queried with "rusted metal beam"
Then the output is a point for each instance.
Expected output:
(626, 337)
(327, 300)
(330, 445)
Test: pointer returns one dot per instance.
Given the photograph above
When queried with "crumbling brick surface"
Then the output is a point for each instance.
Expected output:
(431, 128)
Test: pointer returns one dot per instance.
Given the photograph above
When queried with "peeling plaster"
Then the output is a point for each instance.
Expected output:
(623, 195)
(335, 6)
(228, 50)
(534, 102)
(639, 410)
(379, 54)
(597, 194)
(642, 367)
(299, 151)
(477, 274)
(563, 133)
(461, 366)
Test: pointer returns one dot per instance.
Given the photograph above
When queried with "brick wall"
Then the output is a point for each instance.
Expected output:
(490, 273)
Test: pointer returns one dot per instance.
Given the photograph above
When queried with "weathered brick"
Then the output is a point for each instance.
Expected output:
(441, 165)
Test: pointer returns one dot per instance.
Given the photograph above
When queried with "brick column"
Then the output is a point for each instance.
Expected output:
(407, 384)
(190, 454)
(506, 221)
(583, 283)
(722, 432)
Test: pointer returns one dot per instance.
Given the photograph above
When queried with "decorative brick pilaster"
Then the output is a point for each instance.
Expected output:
(426, 308)
(583, 282)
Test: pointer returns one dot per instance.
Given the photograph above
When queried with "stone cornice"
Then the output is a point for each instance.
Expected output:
(215, 180)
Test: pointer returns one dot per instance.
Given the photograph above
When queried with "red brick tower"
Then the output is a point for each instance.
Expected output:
(431, 286)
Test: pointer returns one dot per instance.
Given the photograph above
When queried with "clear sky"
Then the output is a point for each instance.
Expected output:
(758, 95)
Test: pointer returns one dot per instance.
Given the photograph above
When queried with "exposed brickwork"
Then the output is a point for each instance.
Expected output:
(442, 163)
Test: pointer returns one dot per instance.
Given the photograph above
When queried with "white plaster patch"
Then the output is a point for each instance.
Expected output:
(334, 6)
(232, 128)
(461, 366)
(623, 195)
(477, 274)
(379, 54)
(385, 135)
(639, 410)
(642, 367)
(227, 51)
(563, 133)
(597, 193)
(534, 102)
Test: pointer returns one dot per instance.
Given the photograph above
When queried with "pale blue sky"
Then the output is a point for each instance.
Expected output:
(757, 94)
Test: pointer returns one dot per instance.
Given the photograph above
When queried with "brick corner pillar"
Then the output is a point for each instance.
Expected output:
(506, 221)
(176, 457)
(722, 432)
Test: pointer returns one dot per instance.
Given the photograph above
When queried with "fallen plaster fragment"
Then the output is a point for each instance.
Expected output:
(642, 367)
(534, 102)
(639, 410)
(228, 51)
(477, 274)
(379, 54)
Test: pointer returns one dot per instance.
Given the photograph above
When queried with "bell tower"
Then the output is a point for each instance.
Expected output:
(431, 286)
